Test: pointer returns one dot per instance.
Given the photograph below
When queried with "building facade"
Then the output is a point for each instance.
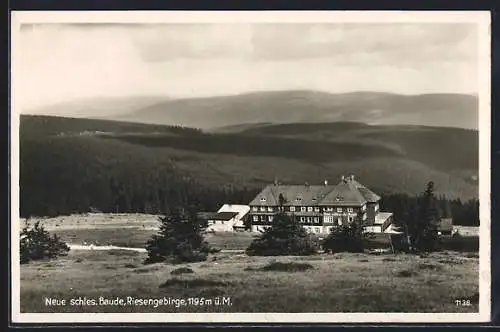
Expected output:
(320, 207)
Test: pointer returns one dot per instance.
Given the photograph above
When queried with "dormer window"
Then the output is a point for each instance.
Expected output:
(262, 199)
(298, 199)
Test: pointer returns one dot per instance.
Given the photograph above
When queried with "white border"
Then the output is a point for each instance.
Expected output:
(481, 18)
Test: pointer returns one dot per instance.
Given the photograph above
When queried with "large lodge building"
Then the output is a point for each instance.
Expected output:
(320, 207)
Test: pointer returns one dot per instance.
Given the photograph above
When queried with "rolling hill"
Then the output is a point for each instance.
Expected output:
(81, 162)
(97, 107)
(450, 110)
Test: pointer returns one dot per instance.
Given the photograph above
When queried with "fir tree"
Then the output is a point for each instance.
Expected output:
(286, 236)
(425, 237)
(180, 239)
(348, 238)
(36, 244)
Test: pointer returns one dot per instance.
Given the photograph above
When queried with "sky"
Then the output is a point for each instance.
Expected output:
(63, 62)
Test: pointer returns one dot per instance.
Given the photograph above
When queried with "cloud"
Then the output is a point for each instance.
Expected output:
(444, 42)
(62, 62)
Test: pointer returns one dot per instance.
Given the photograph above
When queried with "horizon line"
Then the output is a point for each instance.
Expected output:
(174, 97)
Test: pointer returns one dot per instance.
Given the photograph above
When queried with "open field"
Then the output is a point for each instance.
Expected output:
(134, 230)
(322, 283)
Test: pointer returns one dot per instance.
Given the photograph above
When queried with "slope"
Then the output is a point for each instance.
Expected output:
(451, 110)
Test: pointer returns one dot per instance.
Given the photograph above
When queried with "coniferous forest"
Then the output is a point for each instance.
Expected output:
(65, 168)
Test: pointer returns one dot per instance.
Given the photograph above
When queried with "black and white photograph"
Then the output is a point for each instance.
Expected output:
(250, 166)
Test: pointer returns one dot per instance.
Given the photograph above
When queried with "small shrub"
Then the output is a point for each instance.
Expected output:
(344, 238)
(192, 283)
(406, 274)
(37, 244)
(427, 266)
(182, 270)
(287, 267)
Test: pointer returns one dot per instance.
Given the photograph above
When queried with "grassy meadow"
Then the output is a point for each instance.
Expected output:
(323, 283)
(342, 282)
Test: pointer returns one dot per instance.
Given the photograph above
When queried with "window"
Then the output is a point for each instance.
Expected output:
(339, 221)
(350, 210)
(255, 208)
(255, 218)
(316, 209)
(270, 209)
(363, 208)
(303, 208)
(302, 219)
(350, 219)
(364, 216)
(339, 210)
(263, 208)
(292, 208)
(376, 207)
(262, 199)
(270, 218)
(318, 230)
(316, 219)
(310, 209)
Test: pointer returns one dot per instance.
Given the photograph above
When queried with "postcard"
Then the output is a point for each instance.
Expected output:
(262, 167)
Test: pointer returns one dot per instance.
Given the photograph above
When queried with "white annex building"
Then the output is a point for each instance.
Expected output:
(228, 218)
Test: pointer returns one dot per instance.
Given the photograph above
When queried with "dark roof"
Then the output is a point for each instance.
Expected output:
(369, 195)
(445, 224)
(348, 192)
(224, 215)
(293, 194)
(345, 193)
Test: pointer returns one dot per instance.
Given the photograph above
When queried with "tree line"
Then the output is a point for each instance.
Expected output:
(404, 207)
(158, 193)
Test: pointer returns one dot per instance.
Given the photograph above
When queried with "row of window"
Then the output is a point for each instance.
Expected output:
(306, 209)
(309, 220)
(317, 230)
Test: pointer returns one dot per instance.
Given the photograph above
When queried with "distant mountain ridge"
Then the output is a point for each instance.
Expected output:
(299, 106)
(311, 106)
